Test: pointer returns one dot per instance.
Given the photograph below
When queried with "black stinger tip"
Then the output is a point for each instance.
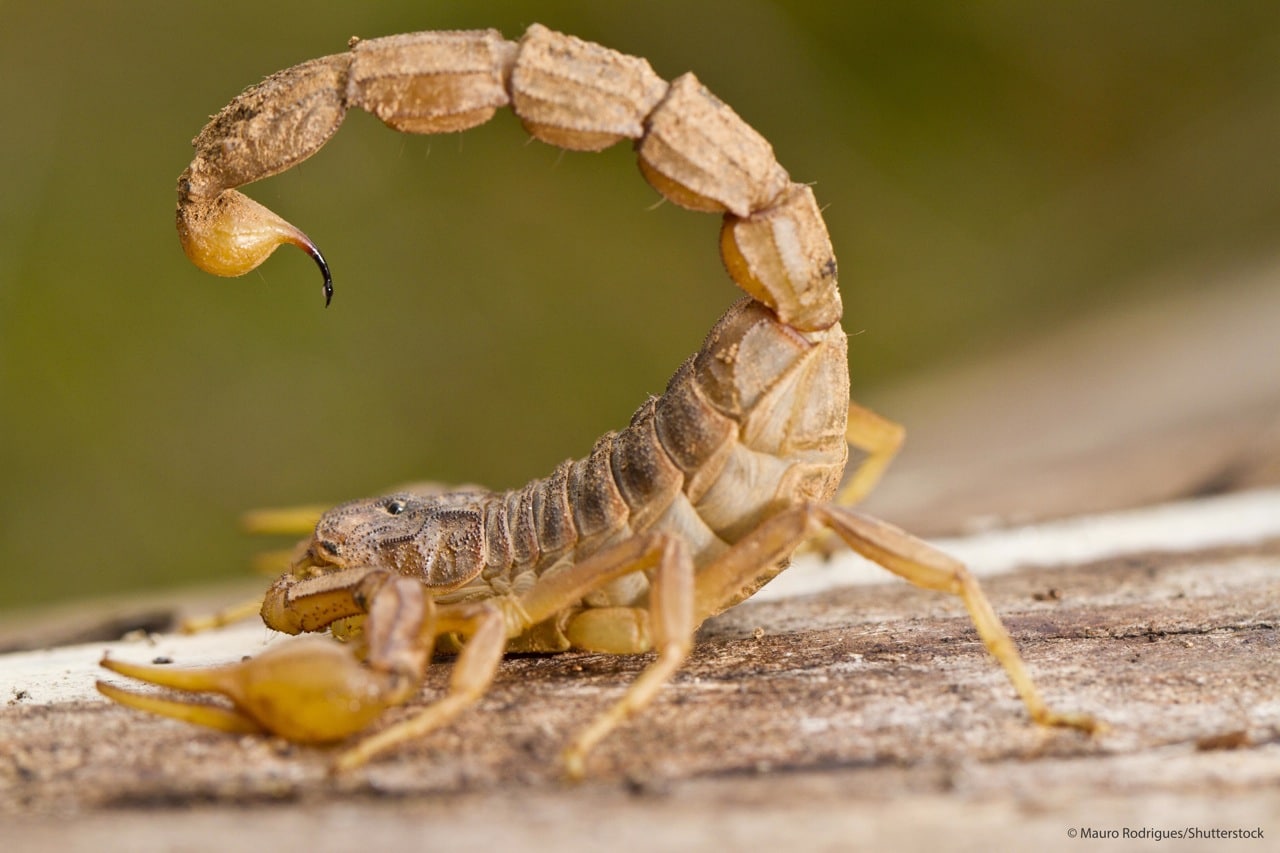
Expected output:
(324, 270)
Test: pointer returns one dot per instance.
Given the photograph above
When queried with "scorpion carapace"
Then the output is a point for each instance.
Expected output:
(686, 511)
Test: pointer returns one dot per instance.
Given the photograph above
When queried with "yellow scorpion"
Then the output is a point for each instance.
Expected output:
(693, 506)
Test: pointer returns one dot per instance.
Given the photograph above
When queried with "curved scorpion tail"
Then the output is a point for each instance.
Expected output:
(693, 149)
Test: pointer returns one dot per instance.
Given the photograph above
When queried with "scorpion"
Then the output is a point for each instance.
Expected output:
(692, 507)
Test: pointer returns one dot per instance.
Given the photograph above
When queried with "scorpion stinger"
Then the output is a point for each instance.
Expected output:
(233, 234)
(314, 251)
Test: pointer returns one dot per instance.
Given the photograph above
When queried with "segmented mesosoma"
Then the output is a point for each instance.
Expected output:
(687, 511)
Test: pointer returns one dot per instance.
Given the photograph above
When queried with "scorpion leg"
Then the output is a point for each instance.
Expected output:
(667, 626)
(891, 548)
(619, 630)
(485, 630)
(878, 439)
(293, 521)
(237, 612)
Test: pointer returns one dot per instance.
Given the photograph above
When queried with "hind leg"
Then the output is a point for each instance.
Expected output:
(873, 441)
(759, 553)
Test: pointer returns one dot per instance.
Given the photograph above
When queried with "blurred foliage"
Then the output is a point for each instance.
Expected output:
(988, 169)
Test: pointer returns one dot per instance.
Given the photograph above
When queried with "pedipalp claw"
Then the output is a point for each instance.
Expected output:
(308, 690)
(199, 713)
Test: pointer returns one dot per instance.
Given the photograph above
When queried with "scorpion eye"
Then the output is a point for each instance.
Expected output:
(395, 508)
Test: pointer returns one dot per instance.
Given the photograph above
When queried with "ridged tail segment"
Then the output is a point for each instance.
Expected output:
(773, 384)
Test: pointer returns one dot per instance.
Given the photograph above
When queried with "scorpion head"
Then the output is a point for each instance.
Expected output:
(437, 539)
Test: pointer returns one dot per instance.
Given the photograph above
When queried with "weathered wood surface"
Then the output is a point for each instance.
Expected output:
(805, 718)
(864, 716)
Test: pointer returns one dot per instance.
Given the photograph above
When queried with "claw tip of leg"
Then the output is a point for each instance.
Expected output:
(346, 762)
(575, 769)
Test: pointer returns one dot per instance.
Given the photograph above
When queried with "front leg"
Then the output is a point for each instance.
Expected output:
(667, 626)
(485, 631)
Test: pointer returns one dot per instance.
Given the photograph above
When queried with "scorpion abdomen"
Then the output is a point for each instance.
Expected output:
(730, 441)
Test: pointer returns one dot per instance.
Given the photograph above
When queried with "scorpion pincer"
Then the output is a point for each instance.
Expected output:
(693, 506)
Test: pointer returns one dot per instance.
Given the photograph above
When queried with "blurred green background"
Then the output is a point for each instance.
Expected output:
(989, 170)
